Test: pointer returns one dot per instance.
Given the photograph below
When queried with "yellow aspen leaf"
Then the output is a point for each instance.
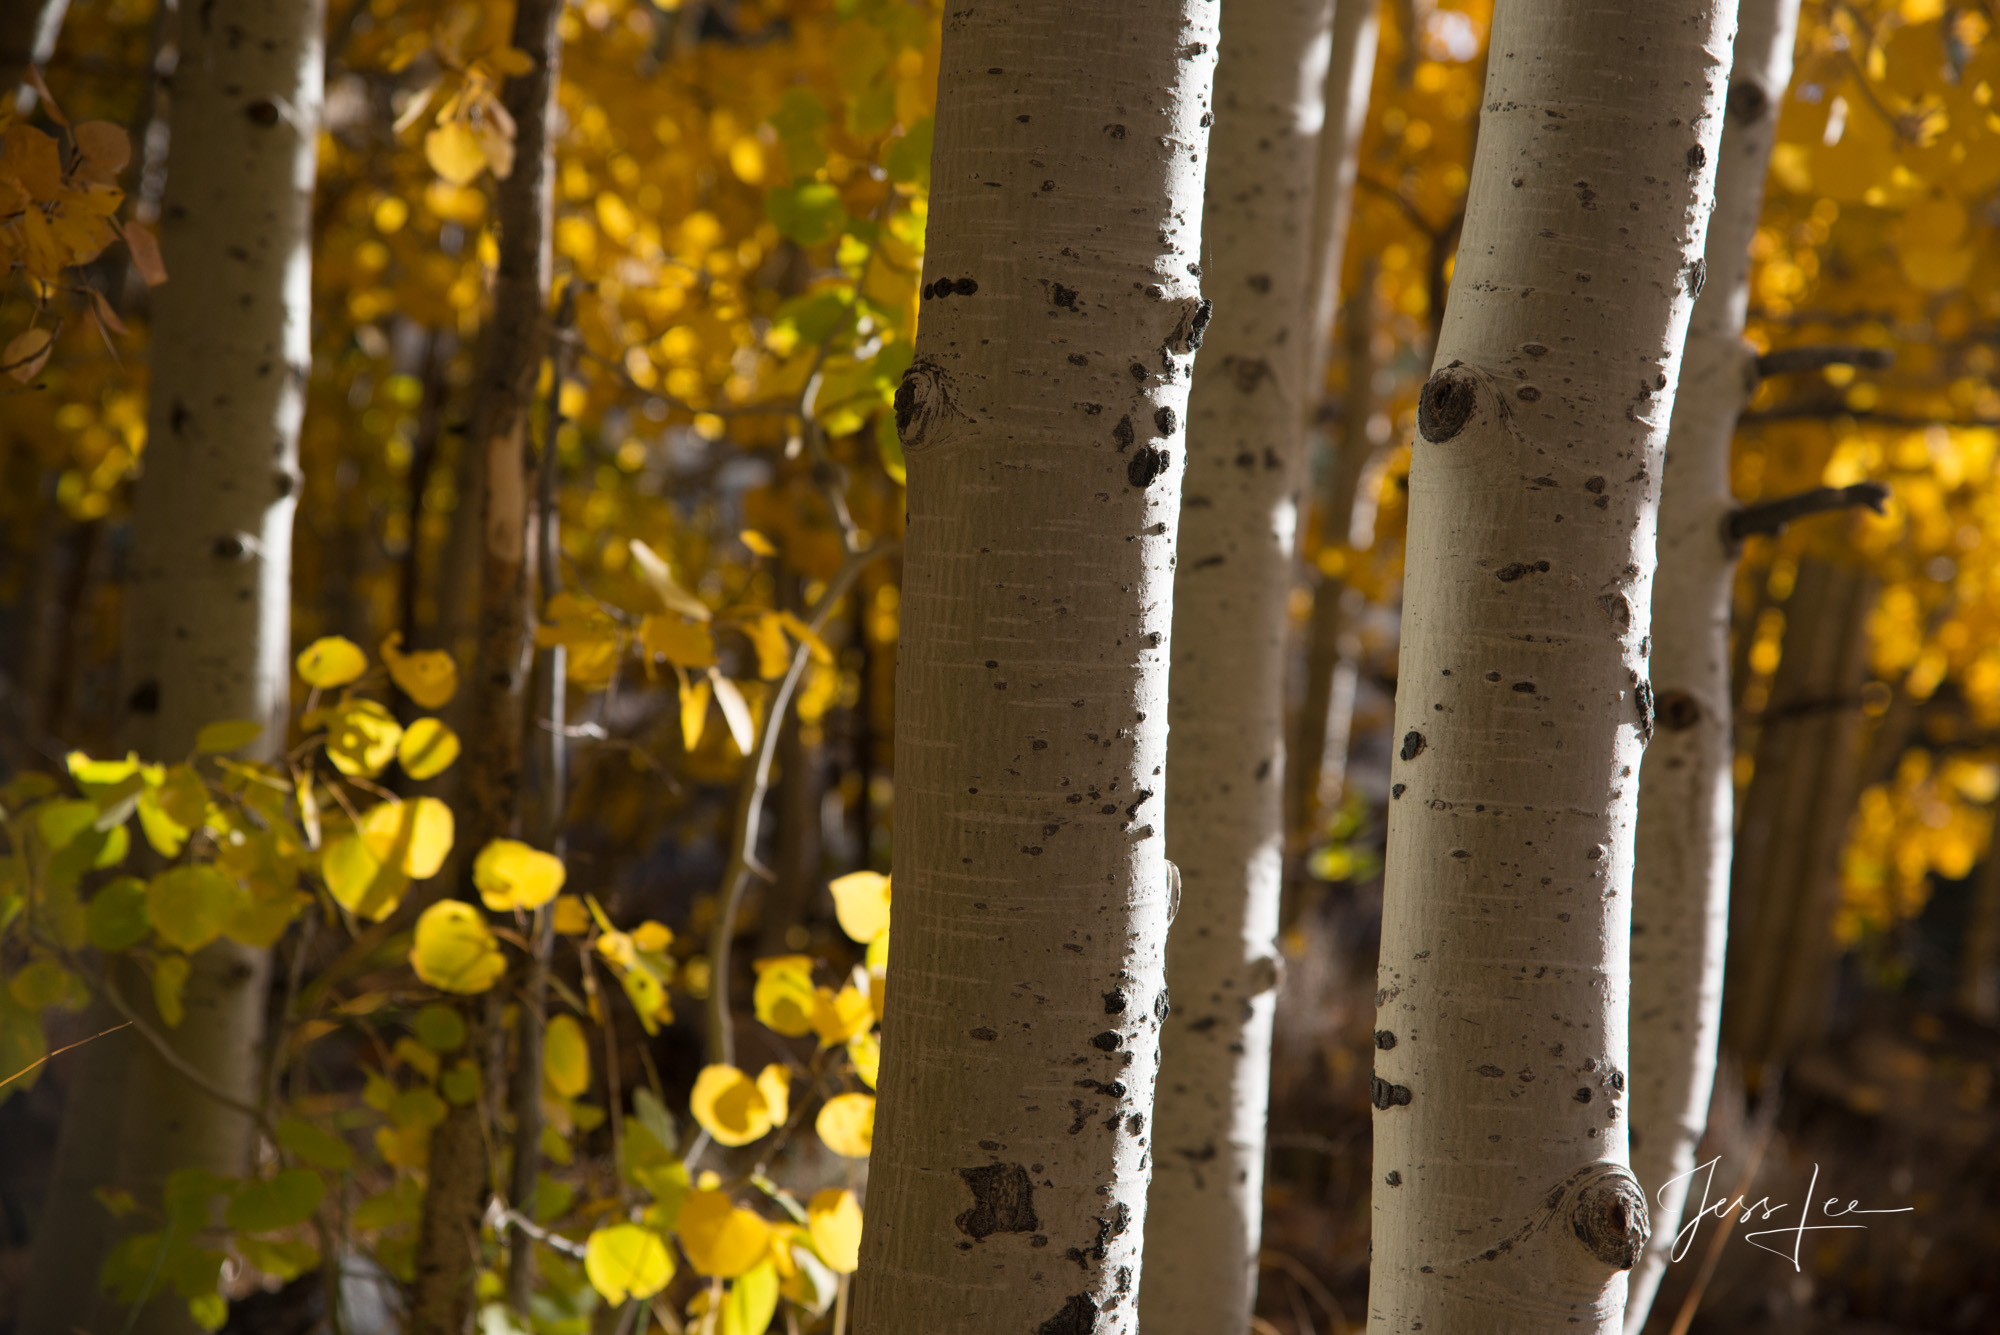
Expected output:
(145, 251)
(362, 737)
(648, 996)
(847, 1125)
(729, 1106)
(454, 950)
(626, 1261)
(681, 642)
(757, 542)
(722, 1239)
(735, 711)
(783, 997)
(513, 875)
(413, 836)
(333, 660)
(190, 906)
(359, 881)
(694, 711)
(42, 983)
(566, 1057)
(865, 1051)
(26, 353)
(837, 1017)
(834, 1216)
(774, 651)
(803, 633)
(427, 748)
(455, 152)
(659, 577)
(228, 735)
(774, 1082)
(170, 975)
(652, 937)
(572, 918)
(752, 1301)
(861, 903)
(429, 676)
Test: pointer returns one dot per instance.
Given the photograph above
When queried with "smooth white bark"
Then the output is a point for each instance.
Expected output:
(1225, 799)
(1502, 1200)
(212, 527)
(1680, 885)
(1042, 421)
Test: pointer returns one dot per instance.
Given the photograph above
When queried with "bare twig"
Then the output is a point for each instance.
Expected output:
(1770, 517)
(1814, 356)
(51, 1056)
(750, 807)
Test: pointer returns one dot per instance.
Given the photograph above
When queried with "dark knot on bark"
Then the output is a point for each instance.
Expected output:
(1447, 402)
(1609, 1217)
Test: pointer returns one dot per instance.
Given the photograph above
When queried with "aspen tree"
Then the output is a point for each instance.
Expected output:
(1042, 422)
(1246, 440)
(1318, 757)
(28, 30)
(1680, 884)
(447, 1253)
(1502, 1200)
(212, 538)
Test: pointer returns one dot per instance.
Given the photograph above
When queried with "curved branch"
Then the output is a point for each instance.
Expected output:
(750, 808)
(1771, 517)
(1814, 356)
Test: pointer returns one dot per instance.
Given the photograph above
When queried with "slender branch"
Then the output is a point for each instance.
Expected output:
(109, 991)
(1770, 517)
(750, 806)
(1814, 356)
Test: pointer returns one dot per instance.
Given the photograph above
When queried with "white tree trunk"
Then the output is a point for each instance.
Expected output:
(1225, 801)
(1318, 761)
(1042, 424)
(1680, 885)
(212, 527)
(1502, 1200)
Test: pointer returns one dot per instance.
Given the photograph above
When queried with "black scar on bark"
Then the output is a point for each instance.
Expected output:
(1078, 1317)
(1384, 1039)
(1114, 1003)
(1385, 1095)
(1648, 709)
(1413, 745)
(1748, 102)
(1161, 1005)
(1164, 419)
(1122, 433)
(1679, 711)
(1146, 465)
(1003, 1201)
(1062, 296)
(1108, 1041)
(1446, 404)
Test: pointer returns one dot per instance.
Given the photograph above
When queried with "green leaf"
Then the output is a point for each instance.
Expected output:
(751, 1302)
(282, 1260)
(626, 1260)
(228, 735)
(190, 905)
(799, 119)
(317, 1146)
(287, 1199)
(653, 1115)
(439, 1028)
(61, 823)
(809, 214)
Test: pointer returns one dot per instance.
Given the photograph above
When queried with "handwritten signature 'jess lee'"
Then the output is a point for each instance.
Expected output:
(1830, 1208)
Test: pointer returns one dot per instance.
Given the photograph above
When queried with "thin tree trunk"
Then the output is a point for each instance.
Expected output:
(1041, 421)
(442, 1299)
(1225, 817)
(212, 535)
(1347, 507)
(1680, 884)
(1502, 1200)
(1786, 879)
(1319, 743)
(801, 781)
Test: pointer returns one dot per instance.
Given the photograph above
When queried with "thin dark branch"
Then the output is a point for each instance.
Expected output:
(1770, 517)
(1814, 356)
(1826, 412)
